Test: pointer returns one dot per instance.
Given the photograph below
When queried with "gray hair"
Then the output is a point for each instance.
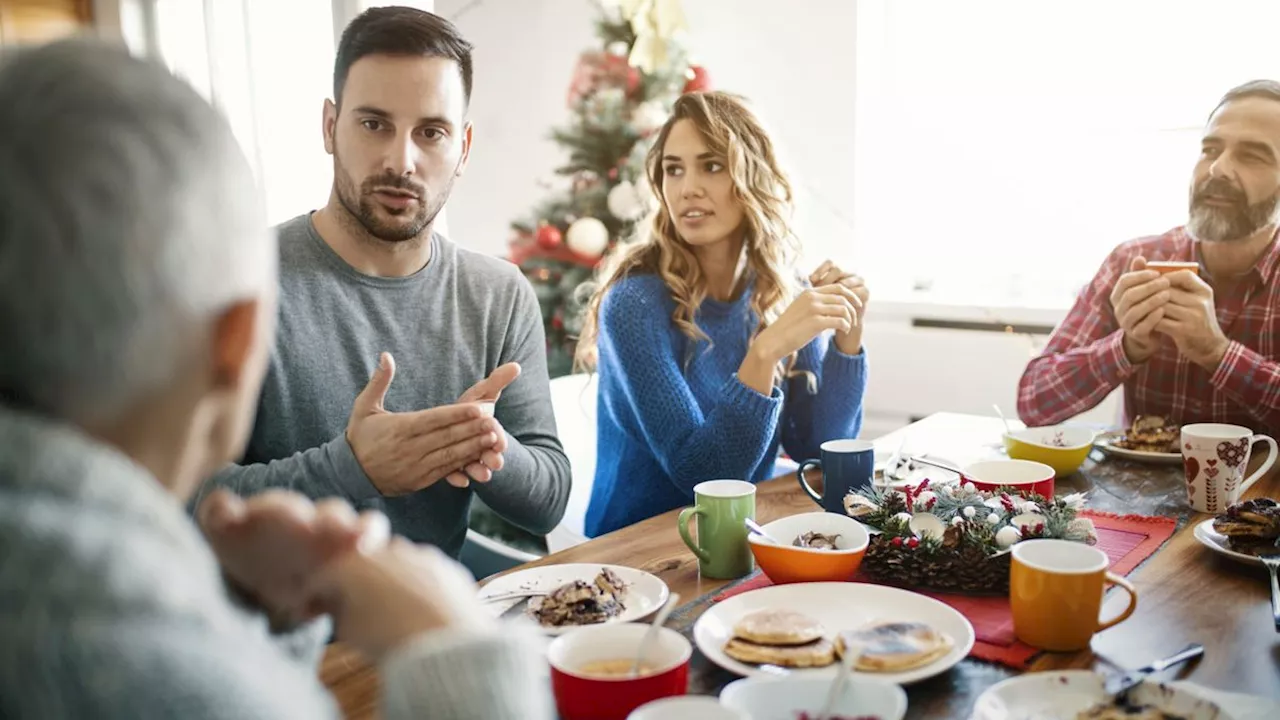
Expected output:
(129, 220)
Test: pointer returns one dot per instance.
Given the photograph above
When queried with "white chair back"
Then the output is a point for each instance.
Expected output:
(573, 400)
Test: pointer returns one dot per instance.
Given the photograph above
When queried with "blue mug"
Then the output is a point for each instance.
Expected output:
(847, 465)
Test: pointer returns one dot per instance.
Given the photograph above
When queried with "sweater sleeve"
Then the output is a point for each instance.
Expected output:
(638, 351)
(453, 675)
(829, 410)
(532, 488)
(169, 667)
(329, 470)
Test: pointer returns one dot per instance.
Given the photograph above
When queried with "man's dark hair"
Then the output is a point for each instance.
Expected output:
(400, 31)
(1267, 89)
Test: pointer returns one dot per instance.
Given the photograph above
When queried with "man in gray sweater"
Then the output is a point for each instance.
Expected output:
(137, 309)
(370, 293)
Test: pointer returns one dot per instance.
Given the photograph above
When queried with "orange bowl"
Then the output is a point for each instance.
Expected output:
(787, 563)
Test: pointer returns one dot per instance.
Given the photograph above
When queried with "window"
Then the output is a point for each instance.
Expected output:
(268, 65)
(1004, 147)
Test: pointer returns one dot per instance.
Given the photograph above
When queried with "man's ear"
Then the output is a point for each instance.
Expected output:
(329, 119)
(235, 336)
(466, 150)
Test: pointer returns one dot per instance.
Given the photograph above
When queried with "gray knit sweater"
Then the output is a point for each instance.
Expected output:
(112, 606)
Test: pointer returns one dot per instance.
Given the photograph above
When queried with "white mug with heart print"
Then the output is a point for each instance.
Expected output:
(1215, 457)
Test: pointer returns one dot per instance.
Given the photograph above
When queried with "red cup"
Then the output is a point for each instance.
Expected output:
(1024, 477)
(582, 696)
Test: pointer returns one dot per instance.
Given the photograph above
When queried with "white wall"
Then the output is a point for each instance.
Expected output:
(796, 68)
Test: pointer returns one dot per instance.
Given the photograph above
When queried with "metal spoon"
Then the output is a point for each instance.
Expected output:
(652, 632)
(754, 527)
(852, 651)
(1007, 429)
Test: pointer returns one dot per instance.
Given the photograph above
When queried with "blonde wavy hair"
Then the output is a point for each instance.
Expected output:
(731, 131)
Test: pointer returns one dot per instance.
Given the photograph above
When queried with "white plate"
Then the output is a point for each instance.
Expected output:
(919, 473)
(838, 606)
(1060, 695)
(1217, 542)
(645, 592)
(1104, 443)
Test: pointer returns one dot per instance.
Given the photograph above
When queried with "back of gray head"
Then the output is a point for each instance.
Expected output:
(129, 219)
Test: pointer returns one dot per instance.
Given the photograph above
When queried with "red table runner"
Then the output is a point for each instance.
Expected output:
(1126, 539)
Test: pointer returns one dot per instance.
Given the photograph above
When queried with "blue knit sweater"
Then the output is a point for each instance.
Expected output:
(664, 427)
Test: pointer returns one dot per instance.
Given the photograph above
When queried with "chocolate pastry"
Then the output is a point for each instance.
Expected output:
(1251, 526)
(580, 602)
(1150, 433)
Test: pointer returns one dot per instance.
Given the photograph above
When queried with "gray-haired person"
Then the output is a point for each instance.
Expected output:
(137, 309)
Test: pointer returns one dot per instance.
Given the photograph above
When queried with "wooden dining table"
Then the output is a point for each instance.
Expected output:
(1186, 592)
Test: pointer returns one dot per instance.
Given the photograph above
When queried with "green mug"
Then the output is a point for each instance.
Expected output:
(722, 507)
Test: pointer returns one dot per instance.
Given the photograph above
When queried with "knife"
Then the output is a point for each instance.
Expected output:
(1117, 688)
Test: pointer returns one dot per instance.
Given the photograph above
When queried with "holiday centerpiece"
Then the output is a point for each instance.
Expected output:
(955, 538)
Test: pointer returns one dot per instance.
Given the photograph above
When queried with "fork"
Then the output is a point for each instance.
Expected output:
(1272, 561)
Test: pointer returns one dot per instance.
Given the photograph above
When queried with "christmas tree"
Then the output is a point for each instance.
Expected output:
(620, 94)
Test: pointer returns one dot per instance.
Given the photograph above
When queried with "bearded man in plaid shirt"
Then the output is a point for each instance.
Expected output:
(1190, 346)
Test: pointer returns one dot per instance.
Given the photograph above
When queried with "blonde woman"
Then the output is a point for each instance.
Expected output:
(710, 349)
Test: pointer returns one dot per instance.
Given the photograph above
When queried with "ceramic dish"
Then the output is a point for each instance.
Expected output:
(787, 563)
(1060, 695)
(1217, 542)
(1061, 447)
(1105, 443)
(644, 595)
(785, 698)
(838, 606)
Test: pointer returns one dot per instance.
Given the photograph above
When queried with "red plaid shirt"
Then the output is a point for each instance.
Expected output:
(1084, 360)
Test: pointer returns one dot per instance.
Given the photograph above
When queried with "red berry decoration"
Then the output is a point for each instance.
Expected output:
(896, 542)
(697, 79)
(549, 237)
(913, 543)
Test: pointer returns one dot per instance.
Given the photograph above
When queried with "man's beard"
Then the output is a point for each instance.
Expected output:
(1240, 220)
(362, 206)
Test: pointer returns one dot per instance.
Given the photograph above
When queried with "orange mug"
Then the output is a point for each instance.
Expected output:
(1055, 590)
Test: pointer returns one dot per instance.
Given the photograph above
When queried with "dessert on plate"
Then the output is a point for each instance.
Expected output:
(1150, 433)
(780, 637)
(581, 603)
(1251, 527)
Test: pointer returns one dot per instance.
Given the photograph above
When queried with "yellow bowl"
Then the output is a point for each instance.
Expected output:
(1062, 448)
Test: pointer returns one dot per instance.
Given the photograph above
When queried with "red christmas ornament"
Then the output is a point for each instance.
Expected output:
(896, 542)
(698, 79)
(549, 237)
(913, 543)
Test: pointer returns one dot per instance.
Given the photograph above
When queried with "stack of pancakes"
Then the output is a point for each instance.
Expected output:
(1252, 527)
(792, 639)
(1151, 433)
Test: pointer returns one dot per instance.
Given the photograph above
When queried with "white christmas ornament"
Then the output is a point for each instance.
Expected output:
(648, 116)
(969, 511)
(925, 524)
(1007, 536)
(924, 498)
(993, 519)
(624, 201)
(957, 520)
(1027, 521)
(588, 237)
(904, 517)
